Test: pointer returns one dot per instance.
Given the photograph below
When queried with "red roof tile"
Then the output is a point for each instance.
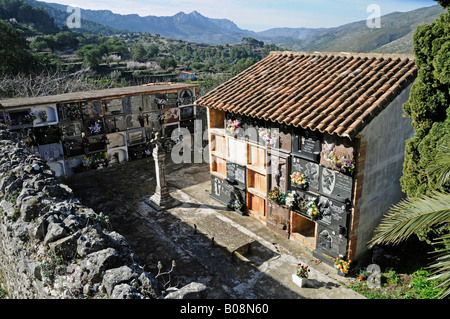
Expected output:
(338, 93)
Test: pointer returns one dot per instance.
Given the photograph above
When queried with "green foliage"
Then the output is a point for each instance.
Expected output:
(14, 53)
(168, 63)
(428, 107)
(243, 64)
(25, 13)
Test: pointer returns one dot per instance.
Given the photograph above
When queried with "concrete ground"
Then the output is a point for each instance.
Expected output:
(236, 256)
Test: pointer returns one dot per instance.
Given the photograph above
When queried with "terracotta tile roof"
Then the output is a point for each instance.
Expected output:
(337, 93)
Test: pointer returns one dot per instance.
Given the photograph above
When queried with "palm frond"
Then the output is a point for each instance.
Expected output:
(441, 268)
(441, 164)
(410, 216)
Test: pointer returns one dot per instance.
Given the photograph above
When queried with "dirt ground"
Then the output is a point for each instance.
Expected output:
(200, 235)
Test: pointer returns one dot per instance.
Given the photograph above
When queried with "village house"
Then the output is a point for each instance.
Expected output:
(75, 132)
(327, 126)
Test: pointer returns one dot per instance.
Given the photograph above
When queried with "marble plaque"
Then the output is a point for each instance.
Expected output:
(171, 116)
(223, 192)
(237, 173)
(117, 139)
(47, 134)
(336, 148)
(113, 107)
(312, 171)
(334, 215)
(51, 152)
(73, 147)
(306, 145)
(72, 128)
(336, 185)
(115, 123)
(329, 245)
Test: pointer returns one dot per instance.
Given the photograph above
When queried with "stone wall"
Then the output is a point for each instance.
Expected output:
(382, 163)
(51, 246)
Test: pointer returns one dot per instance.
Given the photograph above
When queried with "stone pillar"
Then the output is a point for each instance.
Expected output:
(161, 199)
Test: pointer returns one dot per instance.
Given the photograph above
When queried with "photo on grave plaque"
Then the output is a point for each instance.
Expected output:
(311, 170)
(336, 185)
(333, 214)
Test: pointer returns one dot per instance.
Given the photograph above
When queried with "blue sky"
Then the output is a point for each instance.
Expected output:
(258, 15)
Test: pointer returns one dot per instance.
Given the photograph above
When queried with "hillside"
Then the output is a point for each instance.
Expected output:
(395, 34)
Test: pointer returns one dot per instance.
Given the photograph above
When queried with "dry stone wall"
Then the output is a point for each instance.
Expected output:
(51, 246)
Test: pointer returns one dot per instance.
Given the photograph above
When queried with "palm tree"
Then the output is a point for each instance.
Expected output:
(414, 215)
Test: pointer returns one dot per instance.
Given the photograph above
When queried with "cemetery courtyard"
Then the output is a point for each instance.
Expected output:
(234, 256)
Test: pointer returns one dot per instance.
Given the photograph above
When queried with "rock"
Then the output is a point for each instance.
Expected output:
(117, 276)
(65, 247)
(99, 262)
(194, 290)
(59, 191)
(29, 208)
(149, 285)
(125, 291)
(90, 240)
(54, 232)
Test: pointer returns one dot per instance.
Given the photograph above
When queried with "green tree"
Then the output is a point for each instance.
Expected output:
(139, 53)
(428, 106)
(14, 51)
(168, 63)
(243, 64)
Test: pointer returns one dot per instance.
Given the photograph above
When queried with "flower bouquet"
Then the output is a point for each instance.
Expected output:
(73, 111)
(233, 125)
(269, 137)
(31, 116)
(312, 210)
(342, 266)
(277, 196)
(299, 179)
(95, 129)
(344, 163)
(5, 119)
(301, 275)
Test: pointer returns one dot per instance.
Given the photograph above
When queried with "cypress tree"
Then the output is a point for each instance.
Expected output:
(428, 106)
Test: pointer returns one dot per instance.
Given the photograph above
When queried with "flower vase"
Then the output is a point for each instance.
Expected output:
(300, 281)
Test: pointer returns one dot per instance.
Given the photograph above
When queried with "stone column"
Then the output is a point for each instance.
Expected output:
(161, 199)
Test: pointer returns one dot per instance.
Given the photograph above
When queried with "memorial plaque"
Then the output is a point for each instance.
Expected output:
(237, 175)
(51, 152)
(172, 100)
(115, 123)
(137, 152)
(136, 136)
(306, 145)
(311, 170)
(94, 127)
(73, 147)
(329, 245)
(278, 170)
(336, 185)
(47, 134)
(149, 103)
(136, 103)
(334, 215)
(71, 111)
(58, 168)
(186, 113)
(171, 116)
(113, 107)
(302, 199)
(227, 194)
(96, 144)
(337, 154)
(126, 105)
(71, 129)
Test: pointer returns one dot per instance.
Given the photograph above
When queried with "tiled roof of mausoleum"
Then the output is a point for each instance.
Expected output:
(337, 93)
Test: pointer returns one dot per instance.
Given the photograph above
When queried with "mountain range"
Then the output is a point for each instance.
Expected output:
(395, 34)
